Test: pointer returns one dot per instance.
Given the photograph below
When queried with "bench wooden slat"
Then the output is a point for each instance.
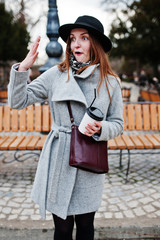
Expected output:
(155, 143)
(131, 120)
(154, 96)
(38, 118)
(32, 144)
(128, 141)
(153, 112)
(7, 118)
(138, 144)
(30, 118)
(25, 142)
(8, 141)
(156, 136)
(145, 95)
(158, 116)
(45, 120)
(126, 94)
(145, 141)
(124, 117)
(146, 117)
(3, 139)
(14, 120)
(14, 145)
(23, 120)
(41, 142)
(120, 143)
(1, 118)
(50, 116)
(138, 116)
(112, 144)
(4, 94)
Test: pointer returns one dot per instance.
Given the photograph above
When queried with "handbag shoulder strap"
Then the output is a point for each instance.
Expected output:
(70, 112)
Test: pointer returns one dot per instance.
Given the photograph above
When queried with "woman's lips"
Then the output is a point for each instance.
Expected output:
(78, 53)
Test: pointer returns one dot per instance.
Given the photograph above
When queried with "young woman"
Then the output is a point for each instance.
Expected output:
(68, 193)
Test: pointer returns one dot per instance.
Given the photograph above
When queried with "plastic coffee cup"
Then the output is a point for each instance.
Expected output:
(92, 114)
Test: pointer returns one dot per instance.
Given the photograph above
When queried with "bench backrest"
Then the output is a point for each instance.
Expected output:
(3, 96)
(126, 93)
(38, 118)
(150, 95)
(141, 116)
(33, 118)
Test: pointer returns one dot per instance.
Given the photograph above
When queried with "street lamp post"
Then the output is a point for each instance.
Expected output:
(53, 48)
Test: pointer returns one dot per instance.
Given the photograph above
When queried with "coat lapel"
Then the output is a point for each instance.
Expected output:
(70, 90)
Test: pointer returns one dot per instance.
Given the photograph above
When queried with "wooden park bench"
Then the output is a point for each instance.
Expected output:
(150, 95)
(126, 94)
(141, 130)
(27, 129)
(24, 129)
(3, 96)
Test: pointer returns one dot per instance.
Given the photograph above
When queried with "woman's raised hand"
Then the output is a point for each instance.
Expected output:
(31, 56)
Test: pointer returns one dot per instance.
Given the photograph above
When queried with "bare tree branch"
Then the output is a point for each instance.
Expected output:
(114, 5)
(22, 11)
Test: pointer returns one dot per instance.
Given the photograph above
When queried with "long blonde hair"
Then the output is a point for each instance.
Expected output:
(98, 55)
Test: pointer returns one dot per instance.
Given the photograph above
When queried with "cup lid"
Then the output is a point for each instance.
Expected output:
(95, 113)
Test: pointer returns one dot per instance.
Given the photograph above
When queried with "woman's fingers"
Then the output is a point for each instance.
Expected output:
(34, 47)
(31, 56)
(89, 132)
(38, 39)
(93, 128)
(35, 56)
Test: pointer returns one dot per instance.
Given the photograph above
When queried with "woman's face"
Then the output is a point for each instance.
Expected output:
(80, 44)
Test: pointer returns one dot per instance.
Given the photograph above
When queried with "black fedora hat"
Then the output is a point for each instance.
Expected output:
(93, 25)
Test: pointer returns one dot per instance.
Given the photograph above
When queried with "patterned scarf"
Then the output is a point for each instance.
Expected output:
(75, 65)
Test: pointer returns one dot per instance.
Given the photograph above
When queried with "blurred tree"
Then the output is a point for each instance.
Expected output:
(136, 33)
(23, 9)
(14, 37)
(115, 5)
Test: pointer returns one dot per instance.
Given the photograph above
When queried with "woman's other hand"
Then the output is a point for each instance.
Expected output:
(91, 129)
(31, 56)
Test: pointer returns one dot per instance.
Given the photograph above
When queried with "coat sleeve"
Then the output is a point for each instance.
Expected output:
(21, 94)
(113, 125)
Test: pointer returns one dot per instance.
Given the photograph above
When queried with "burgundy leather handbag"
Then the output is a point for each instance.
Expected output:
(86, 153)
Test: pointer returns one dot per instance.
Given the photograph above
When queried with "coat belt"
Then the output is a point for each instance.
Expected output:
(59, 132)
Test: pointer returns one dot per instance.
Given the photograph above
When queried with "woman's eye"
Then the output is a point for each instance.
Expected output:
(85, 38)
(72, 39)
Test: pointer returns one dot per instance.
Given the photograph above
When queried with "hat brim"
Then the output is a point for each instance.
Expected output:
(64, 32)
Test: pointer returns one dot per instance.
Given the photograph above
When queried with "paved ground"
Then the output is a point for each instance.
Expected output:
(129, 210)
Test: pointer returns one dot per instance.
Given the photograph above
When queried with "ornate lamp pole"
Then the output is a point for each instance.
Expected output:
(53, 48)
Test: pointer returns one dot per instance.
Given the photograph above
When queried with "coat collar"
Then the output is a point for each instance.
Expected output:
(87, 72)
(70, 90)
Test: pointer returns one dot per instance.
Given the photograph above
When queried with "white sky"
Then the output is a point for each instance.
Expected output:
(68, 11)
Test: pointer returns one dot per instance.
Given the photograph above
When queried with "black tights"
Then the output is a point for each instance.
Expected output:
(84, 226)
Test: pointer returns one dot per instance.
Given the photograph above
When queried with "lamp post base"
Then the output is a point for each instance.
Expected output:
(50, 63)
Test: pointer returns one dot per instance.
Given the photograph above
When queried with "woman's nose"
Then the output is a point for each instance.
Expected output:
(77, 43)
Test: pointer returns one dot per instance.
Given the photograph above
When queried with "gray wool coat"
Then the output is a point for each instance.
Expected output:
(59, 188)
